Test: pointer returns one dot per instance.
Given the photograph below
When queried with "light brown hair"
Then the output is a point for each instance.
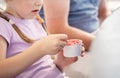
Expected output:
(20, 33)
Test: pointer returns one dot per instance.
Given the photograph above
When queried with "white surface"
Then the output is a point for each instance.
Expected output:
(80, 69)
(106, 49)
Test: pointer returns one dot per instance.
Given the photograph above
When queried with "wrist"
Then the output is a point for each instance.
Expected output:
(38, 48)
(59, 66)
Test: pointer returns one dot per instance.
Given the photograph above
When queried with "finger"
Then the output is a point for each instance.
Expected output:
(72, 59)
(82, 54)
(62, 44)
(83, 49)
(60, 48)
(75, 59)
(62, 37)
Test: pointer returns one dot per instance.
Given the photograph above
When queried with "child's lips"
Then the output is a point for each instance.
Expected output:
(35, 11)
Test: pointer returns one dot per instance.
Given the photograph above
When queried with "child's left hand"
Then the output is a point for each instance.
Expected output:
(62, 62)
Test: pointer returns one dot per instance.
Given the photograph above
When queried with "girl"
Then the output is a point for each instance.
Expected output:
(25, 46)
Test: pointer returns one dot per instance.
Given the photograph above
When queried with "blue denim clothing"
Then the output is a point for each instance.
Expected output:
(83, 14)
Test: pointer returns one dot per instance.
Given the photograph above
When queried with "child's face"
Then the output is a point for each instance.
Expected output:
(25, 9)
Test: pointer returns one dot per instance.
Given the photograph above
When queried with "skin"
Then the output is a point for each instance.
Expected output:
(103, 11)
(56, 16)
(20, 9)
(53, 43)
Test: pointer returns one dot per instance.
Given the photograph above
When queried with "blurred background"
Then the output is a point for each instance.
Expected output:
(82, 68)
(113, 4)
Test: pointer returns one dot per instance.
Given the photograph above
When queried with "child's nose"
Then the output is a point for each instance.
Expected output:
(39, 3)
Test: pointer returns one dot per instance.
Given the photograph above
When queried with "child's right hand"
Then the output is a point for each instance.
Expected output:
(52, 44)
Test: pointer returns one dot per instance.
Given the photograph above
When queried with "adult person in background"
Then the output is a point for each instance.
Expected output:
(66, 16)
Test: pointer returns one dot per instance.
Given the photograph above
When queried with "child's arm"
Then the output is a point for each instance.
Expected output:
(13, 66)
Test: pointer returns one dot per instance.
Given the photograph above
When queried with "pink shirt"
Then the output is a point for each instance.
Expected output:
(43, 68)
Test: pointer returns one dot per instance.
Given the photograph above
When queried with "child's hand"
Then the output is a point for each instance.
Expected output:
(52, 44)
(62, 62)
(83, 50)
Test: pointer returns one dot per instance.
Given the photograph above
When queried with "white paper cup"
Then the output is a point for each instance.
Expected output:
(73, 48)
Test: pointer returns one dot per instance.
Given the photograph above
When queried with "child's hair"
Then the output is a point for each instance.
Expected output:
(20, 33)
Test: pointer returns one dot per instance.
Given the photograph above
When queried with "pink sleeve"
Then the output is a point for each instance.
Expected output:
(5, 30)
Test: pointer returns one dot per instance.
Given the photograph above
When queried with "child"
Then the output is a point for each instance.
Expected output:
(25, 48)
